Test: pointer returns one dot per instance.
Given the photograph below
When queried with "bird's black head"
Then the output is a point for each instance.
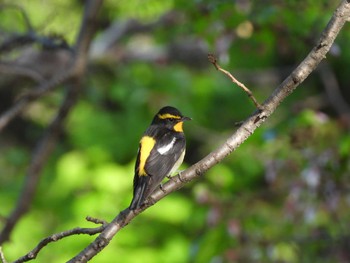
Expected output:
(171, 118)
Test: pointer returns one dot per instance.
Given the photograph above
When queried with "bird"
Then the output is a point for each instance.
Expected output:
(161, 151)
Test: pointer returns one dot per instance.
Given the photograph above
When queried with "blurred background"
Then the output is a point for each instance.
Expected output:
(283, 196)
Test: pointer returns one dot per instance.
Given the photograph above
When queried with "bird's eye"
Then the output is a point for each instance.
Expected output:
(172, 120)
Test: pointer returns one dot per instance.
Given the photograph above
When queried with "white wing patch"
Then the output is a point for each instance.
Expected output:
(166, 148)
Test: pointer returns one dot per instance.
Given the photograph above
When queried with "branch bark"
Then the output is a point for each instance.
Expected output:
(317, 54)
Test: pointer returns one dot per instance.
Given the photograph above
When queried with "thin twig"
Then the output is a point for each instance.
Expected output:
(96, 220)
(55, 237)
(212, 59)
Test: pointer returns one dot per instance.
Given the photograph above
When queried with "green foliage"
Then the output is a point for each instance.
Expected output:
(150, 10)
(281, 197)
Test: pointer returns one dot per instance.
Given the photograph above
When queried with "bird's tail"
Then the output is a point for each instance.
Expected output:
(139, 192)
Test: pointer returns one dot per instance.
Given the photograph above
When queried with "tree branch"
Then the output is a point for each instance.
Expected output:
(317, 54)
(55, 237)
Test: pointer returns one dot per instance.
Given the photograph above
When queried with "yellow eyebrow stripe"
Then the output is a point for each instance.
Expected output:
(146, 145)
(168, 116)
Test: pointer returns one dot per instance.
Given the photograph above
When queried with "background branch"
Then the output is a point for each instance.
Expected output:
(309, 64)
(12, 68)
(77, 65)
(333, 92)
(40, 157)
(46, 144)
(25, 99)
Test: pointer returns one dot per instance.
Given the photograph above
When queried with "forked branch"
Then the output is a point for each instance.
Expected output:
(55, 237)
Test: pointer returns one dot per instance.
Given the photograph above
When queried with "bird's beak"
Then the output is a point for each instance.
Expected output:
(186, 119)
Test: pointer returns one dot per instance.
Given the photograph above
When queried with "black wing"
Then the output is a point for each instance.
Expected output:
(163, 157)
